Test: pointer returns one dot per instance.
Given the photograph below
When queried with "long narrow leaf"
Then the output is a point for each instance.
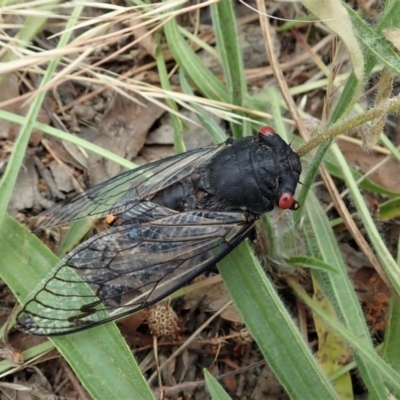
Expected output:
(389, 265)
(215, 131)
(179, 145)
(392, 377)
(198, 73)
(272, 327)
(226, 34)
(338, 287)
(217, 392)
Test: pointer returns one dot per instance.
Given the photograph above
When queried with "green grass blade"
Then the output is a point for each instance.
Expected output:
(311, 262)
(390, 209)
(216, 132)
(226, 34)
(389, 265)
(338, 287)
(206, 82)
(272, 327)
(179, 145)
(310, 175)
(392, 378)
(32, 26)
(275, 101)
(217, 392)
(391, 350)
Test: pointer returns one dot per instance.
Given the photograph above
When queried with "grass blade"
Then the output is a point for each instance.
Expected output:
(217, 392)
(338, 287)
(272, 327)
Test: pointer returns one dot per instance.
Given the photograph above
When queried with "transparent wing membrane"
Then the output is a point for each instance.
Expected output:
(129, 267)
(126, 191)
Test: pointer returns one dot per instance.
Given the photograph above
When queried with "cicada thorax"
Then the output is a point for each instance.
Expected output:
(251, 173)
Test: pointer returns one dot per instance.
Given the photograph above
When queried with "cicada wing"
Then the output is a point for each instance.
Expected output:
(129, 267)
(125, 191)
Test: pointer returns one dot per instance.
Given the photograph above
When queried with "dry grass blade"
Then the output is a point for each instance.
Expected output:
(264, 22)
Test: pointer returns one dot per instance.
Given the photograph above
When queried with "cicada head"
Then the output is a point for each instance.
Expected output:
(285, 169)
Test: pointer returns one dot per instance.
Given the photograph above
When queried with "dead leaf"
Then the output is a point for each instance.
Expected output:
(68, 152)
(9, 89)
(123, 131)
(142, 34)
(363, 162)
(194, 134)
(61, 178)
(26, 194)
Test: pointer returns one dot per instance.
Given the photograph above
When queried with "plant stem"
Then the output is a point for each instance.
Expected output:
(391, 106)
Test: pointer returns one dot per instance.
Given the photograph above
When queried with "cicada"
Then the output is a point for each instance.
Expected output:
(172, 219)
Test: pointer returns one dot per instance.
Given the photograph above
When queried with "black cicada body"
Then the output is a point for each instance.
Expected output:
(172, 220)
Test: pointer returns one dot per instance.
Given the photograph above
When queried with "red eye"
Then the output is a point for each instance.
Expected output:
(267, 131)
(285, 201)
